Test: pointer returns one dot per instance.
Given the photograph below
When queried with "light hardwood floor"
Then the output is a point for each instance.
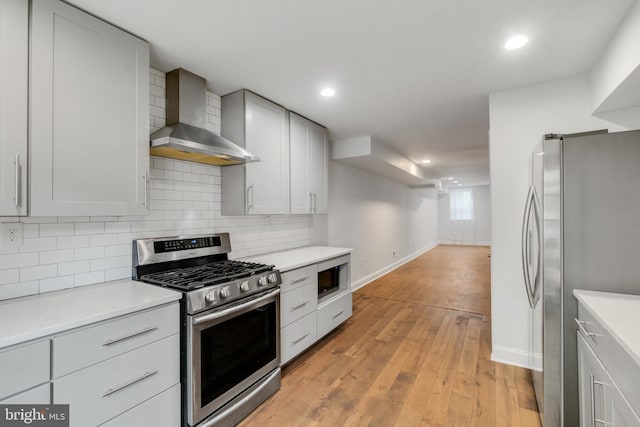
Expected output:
(415, 353)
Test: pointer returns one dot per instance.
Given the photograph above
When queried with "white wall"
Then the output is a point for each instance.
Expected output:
(63, 252)
(481, 233)
(518, 120)
(377, 216)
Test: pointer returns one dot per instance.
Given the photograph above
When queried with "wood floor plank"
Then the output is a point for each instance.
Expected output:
(416, 352)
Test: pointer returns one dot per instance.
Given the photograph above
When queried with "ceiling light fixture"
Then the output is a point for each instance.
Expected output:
(426, 161)
(455, 182)
(516, 42)
(449, 177)
(327, 91)
(459, 185)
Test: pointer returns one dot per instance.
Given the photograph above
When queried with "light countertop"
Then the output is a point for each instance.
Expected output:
(619, 314)
(27, 318)
(299, 257)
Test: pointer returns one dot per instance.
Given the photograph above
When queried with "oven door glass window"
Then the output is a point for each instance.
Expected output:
(233, 350)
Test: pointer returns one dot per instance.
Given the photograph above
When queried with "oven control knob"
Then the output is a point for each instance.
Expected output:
(224, 292)
(244, 286)
(262, 281)
(210, 297)
(273, 277)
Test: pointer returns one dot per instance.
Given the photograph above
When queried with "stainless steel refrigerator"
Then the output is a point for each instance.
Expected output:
(581, 230)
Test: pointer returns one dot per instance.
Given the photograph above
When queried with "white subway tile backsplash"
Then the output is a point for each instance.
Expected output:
(38, 272)
(62, 252)
(9, 276)
(55, 257)
(74, 267)
(56, 283)
(83, 279)
(70, 242)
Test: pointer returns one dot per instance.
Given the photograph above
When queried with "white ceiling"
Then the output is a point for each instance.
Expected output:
(414, 74)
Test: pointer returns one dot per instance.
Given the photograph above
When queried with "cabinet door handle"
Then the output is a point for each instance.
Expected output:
(128, 383)
(592, 386)
(16, 163)
(131, 335)
(315, 203)
(249, 197)
(310, 202)
(300, 338)
(302, 279)
(145, 177)
(295, 307)
(338, 314)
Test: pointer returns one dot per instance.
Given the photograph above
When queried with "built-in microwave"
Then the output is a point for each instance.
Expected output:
(333, 275)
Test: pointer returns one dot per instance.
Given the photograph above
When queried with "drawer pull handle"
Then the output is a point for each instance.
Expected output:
(581, 324)
(127, 384)
(297, 340)
(302, 279)
(295, 307)
(126, 337)
(338, 314)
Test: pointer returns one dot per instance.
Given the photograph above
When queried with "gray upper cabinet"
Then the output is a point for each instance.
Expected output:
(309, 164)
(89, 142)
(262, 128)
(14, 51)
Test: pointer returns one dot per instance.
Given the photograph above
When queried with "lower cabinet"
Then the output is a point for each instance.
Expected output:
(104, 390)
(601, 401)
(159, 411)
(40, 395)
(297, 337)
(304, 318)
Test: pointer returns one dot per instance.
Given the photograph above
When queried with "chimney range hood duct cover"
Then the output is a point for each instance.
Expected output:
(185, 136)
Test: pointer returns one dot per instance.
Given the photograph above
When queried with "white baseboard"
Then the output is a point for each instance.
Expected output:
(516, 357)
(465, 242)
(376, 274)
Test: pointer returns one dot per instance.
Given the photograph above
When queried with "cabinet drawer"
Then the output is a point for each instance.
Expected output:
(102, 391)
(333, 313)
(90, 345)
(298, 336)
(594, 332)
(162, 410)
(36, 396)
(298, 303)
(300, 277)
(23, 367)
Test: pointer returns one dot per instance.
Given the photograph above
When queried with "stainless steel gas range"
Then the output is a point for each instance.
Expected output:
(230, 340)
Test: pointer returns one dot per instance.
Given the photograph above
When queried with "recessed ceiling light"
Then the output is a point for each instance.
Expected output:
(327, 91)
(516, 42)
(450, 177)
(425, 161)
(459, 185)
(455, 182)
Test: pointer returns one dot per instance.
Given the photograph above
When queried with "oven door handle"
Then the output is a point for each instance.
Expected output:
(226, 312)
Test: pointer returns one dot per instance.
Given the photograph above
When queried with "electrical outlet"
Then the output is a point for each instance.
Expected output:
(361, 262)
(393, 252)
(10, 236)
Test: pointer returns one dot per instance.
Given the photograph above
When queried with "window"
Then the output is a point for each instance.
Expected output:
(461, 204)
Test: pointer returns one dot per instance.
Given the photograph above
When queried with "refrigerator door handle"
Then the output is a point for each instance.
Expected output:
(537, 282)
(525, 246)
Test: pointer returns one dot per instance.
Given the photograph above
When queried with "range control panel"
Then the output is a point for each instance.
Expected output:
(186, 244)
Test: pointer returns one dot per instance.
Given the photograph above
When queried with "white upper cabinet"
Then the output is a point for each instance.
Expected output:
(309, 165)
(89, 142)
(261, 127)
(14, 51)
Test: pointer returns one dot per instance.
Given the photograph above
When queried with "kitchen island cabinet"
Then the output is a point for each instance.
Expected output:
(89, 115)
(262, 128)
(14, 72)
(309, 166)
(608, 358)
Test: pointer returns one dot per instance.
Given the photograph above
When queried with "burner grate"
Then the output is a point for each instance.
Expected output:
(208, 274)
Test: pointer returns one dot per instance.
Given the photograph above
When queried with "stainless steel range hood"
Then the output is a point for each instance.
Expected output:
(185, 136)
